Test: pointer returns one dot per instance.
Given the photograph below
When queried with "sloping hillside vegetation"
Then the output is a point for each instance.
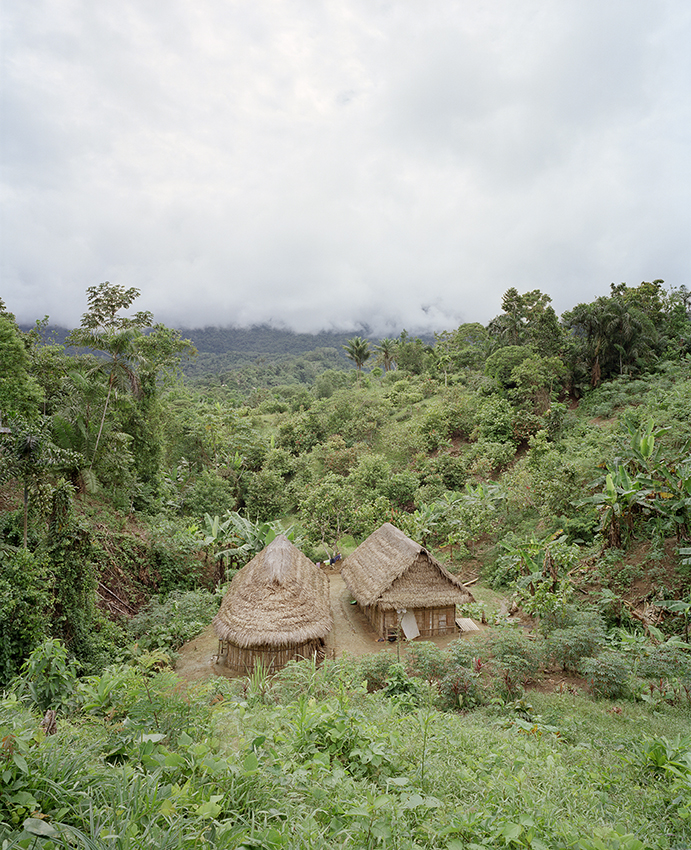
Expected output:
(546, 459)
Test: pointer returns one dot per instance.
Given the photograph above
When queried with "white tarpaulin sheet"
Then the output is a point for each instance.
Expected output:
(409, 626)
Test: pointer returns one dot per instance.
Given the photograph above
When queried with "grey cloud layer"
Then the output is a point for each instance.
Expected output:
(323, 164)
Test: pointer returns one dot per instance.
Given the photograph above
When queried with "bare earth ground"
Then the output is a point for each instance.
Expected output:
(351, 635)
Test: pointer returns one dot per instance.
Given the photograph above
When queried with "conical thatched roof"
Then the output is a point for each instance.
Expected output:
(392, 571)
(279, 599)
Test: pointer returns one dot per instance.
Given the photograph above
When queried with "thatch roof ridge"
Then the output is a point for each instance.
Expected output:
(280, 598)
(389, 569)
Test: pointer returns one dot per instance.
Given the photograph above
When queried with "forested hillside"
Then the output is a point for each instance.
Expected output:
(546, 459)
(236, 361)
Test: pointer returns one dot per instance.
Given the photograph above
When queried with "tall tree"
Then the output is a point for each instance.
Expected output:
(466, 347)
(412, 354)
(588, 323)
(137, 355)
(528, 319)
(102, 329)
(105, 302)
(159, 353)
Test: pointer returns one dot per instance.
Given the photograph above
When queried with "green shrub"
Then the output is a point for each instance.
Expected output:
(461, 688)
(666, 661)
(370, 476)
(568, 646)
(300, 432)
(406, 690)
(434, 429)
(375, 669)
(487, 456)
(513, 647)
(495, 420)
(305, 677)
(554, 479)
(172, 553)
(607, 674)
(272, 405)
(369, 516)
(516, 659)
(508, 677)
(449, 469)
(400, 488)
(465, 653)
(561, 618)
(341, 734)
(106, 643)
(428, 661)
(170, 622)
(265, 496)
(210, 494)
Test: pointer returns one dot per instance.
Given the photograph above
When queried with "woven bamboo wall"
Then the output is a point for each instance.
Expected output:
(430, 621)
(272, 658)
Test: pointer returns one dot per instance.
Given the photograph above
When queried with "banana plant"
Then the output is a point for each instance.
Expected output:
(214, 531)
(671, 496)
(644, 450)
(680, 606)
(616, 500)
(423, 524)
(250, 537)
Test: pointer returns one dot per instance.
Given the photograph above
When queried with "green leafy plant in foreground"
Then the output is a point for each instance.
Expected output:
(18, 734)
(341, 734)
(669, 760)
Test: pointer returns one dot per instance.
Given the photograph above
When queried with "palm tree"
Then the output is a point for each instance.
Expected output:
(358, 350)
(589, 322)
(386, 353)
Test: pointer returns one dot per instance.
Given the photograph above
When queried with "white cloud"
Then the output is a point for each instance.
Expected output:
(332, 163)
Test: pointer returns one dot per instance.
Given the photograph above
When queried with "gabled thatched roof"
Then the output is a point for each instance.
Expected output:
(392, 571)
(279, 599)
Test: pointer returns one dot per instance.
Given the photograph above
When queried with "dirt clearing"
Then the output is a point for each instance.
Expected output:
(351, 635)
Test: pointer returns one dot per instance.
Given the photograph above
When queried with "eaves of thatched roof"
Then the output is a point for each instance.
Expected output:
(280, 598)
(392, 571)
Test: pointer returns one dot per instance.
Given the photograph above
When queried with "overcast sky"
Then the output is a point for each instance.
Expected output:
(318, 164)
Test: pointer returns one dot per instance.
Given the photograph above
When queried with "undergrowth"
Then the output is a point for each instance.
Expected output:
(143, 761)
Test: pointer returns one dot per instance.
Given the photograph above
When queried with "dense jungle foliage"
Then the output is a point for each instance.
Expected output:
(545, 458)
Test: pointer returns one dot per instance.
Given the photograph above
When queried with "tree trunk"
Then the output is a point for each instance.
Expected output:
(103, 419)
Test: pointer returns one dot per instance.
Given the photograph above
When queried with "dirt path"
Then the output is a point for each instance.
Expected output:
(351, 635)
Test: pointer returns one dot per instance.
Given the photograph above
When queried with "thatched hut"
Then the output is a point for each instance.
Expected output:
(393, 579)
(276, 609)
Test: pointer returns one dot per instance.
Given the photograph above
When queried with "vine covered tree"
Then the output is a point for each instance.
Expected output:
(20, 394)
